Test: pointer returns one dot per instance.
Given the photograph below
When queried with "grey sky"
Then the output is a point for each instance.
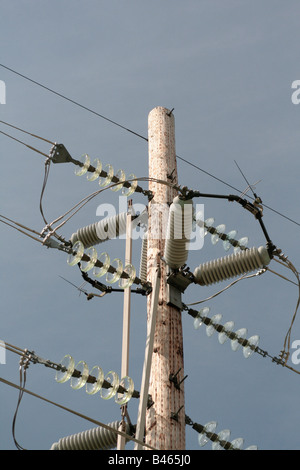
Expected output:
(227, 69)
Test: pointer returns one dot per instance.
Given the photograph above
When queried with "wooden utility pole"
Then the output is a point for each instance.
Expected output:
(162, 430)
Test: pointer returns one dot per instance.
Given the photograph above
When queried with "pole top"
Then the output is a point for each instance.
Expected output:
(162, 110)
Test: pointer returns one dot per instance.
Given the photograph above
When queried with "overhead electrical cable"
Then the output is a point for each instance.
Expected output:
(280, 275)
(78, 206)
(73, 102)
(244, 276)
(26, 358)
(49, 231)
(287, 341)
(137, 134)
(76, 413)
(29, 133)
(19, 230)
(24, 363)
(23, 143)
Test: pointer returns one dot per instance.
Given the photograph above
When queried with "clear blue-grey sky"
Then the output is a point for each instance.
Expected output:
(226, 67)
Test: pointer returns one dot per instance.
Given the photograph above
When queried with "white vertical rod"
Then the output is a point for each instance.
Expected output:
(141, 419)
(126, 313)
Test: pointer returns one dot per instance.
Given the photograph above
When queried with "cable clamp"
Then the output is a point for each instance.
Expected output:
(25, 360)
(261, 271)
(51, 243)
(46, 229)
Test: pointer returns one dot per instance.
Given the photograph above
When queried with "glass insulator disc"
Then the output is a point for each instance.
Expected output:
(115, 276)
(99, 271)
(222, 336)
(207, 224)
(92, 388)
(68, 365)
(92, 176)
(79, 382)
(199, 318)
(243, 243)
(209, 428)
(133, 184)
(215, 236)
(106, 180)
(130, 270)
(247, 350)
(230, 236)
(113, 379)
(241, 333)
(77, 253)
(92, 254)
(214, 320)
(253, 447)
(82, 169)
(222, 436)
(197, 322)
(198, 220)
(121, 177)
(122, 398)
(237, 444)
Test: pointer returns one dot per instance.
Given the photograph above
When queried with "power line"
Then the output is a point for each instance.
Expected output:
(18, 229)
(123, 127)
(73, 101)
(23, 143)
(80, 415)
(26, 132)
(137, 134)
(22, 388)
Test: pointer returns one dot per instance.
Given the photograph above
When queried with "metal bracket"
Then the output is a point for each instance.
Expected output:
(180, 279)
(59, 154)
(175, 415)
(173, 378)
(177, 282)
(174, 297)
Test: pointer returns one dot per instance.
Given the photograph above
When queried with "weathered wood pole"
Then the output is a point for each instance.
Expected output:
(163, 431)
